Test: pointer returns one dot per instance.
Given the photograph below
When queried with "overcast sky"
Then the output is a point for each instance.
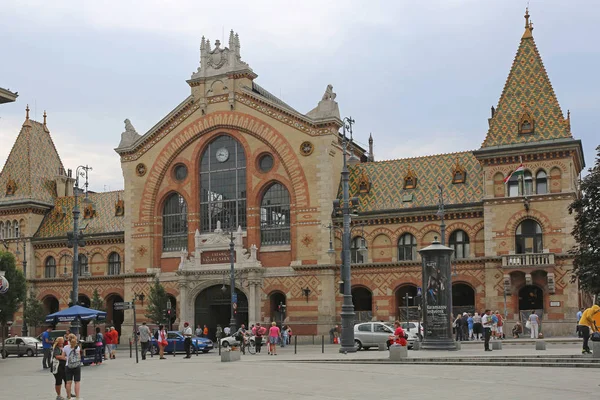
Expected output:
(421, 75)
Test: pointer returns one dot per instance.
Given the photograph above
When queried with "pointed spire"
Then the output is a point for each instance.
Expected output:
(371, 156)
(528, 25)
(27, 112)
(231, 40)
(202, 43)
(45, 115)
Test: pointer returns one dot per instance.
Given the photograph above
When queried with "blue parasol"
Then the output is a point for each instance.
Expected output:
(75, 312)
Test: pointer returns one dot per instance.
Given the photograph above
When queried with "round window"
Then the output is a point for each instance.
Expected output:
(180, 171)
(265, 163)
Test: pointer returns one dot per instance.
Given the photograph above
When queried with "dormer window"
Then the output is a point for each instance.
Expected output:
(459, 174)
(526, 123)
(364, 185)
(410, 179)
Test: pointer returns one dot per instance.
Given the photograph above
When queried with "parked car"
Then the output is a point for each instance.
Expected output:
(53, 334)
(370, 334)
(21, 346)
(231, 341)
(176, 339)
(412, 328)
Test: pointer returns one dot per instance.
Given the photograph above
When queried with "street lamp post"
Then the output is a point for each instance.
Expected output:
(233, 299)
(24, 243)
(75, 239)
(347, 314)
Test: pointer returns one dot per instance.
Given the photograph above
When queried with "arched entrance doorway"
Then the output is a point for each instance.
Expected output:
(363, 303)
(276, 303)
(114, 317)
(212, 307)
(50, 305)
(531, 298)
(84, 301)
(413, 311)
(463, 299)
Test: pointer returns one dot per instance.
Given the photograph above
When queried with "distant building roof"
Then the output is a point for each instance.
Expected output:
(58, 222)
(32, 166)
(6, 96)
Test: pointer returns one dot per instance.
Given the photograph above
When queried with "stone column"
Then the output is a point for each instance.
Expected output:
(252, 301)
(184, 308)
(327, 312)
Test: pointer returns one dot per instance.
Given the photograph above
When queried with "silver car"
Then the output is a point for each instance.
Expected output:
(21, 346)
(371, 334)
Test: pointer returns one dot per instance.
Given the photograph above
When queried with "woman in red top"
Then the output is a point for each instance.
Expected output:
(399, 335)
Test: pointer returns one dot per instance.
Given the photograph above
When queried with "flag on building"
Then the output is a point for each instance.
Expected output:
(517, 172)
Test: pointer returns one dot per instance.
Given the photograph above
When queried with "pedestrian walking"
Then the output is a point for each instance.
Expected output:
(205, 331)
(187, 340)
(274, 336)
(219, 333)
(590, 320)
(198, 331)
(258, 331)
(477, 326)
(332, 333)
(284, 335)
(47, 348)
(289, 334)
(465, 326)
(486, 321)
(458, 327)
(579, 314)
(144, 338)
(58, 366)
(72, 353)
(162, 341)
(534, 325)
(107, 343)
(99, 345)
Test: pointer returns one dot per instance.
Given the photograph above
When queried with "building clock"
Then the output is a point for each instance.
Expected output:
(222, 154)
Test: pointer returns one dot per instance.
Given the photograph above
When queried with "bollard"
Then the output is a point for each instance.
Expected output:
(313, 337)
(323, 344)
(130, 349)
(219, 346)
(295, 344)
(36, 349)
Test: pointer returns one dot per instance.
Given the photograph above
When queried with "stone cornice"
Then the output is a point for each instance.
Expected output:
(218, 271)
(24, 207)
(91, 240)
(532, 198)
(91, 278)
(478, 262)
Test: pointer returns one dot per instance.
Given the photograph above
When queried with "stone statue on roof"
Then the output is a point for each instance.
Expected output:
(329, 95)
(129, 136)
(327, 107)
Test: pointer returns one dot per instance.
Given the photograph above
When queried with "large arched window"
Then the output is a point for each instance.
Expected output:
(528, 237)
(527, 183)
(50, 268)
(407, 247)
(175, 226)
(223, 184)
(275, 216)
(17, 229)
(2, 232)
(83, 265)
(358, 250)
(541, 182)
(459, 242)
(114, 263)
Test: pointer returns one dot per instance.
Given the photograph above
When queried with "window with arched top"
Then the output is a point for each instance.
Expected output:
(499, 187)
(513, 186)
(407, 247)
(528, 237)
(114, 263)
(275, 216)
(175, 225)
(223, 184)
(459, 242)
(83, 265)
(358, 250)
(541, 182)
(527, 183)
(2, 232)
(50, 268)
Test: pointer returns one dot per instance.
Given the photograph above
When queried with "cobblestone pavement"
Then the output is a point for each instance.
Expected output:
(258, 377)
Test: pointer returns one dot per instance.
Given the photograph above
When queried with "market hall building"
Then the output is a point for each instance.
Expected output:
(233, 162)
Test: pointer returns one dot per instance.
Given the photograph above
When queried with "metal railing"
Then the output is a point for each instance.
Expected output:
(528, 260)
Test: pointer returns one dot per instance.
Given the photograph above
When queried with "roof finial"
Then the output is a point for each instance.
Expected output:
(44, 117)
(527, 17)
(27, 112)
(528, 25)
(568, 114)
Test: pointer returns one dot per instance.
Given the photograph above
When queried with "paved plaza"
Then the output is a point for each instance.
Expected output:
(279, 377)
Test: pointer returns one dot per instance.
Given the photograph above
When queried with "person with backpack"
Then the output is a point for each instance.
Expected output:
(72, 353)
(57, 363)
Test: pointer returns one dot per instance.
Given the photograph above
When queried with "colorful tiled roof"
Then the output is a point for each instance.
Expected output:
(386, 180)
(527, 90)
(33, 164)
(60, 220)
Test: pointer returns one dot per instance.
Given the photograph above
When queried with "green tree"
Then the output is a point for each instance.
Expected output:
(34, 312)
(586, 264)
(96, 302)
(11, 300)
(157, 303)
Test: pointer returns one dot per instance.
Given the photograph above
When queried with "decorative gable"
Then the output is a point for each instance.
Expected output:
(119, 208)
(364, 184)
(526, 123)
(11, 186)
(89, 211)
(410, 179)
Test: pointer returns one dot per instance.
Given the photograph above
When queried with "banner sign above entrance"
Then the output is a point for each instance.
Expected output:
(216, 257)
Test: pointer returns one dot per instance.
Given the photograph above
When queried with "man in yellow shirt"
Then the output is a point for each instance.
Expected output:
(590, 319)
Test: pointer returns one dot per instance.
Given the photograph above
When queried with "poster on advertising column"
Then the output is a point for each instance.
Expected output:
(436, 301)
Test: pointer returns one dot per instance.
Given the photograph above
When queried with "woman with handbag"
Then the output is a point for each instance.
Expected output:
(162, 341)
(72, 353)
(58, 366)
